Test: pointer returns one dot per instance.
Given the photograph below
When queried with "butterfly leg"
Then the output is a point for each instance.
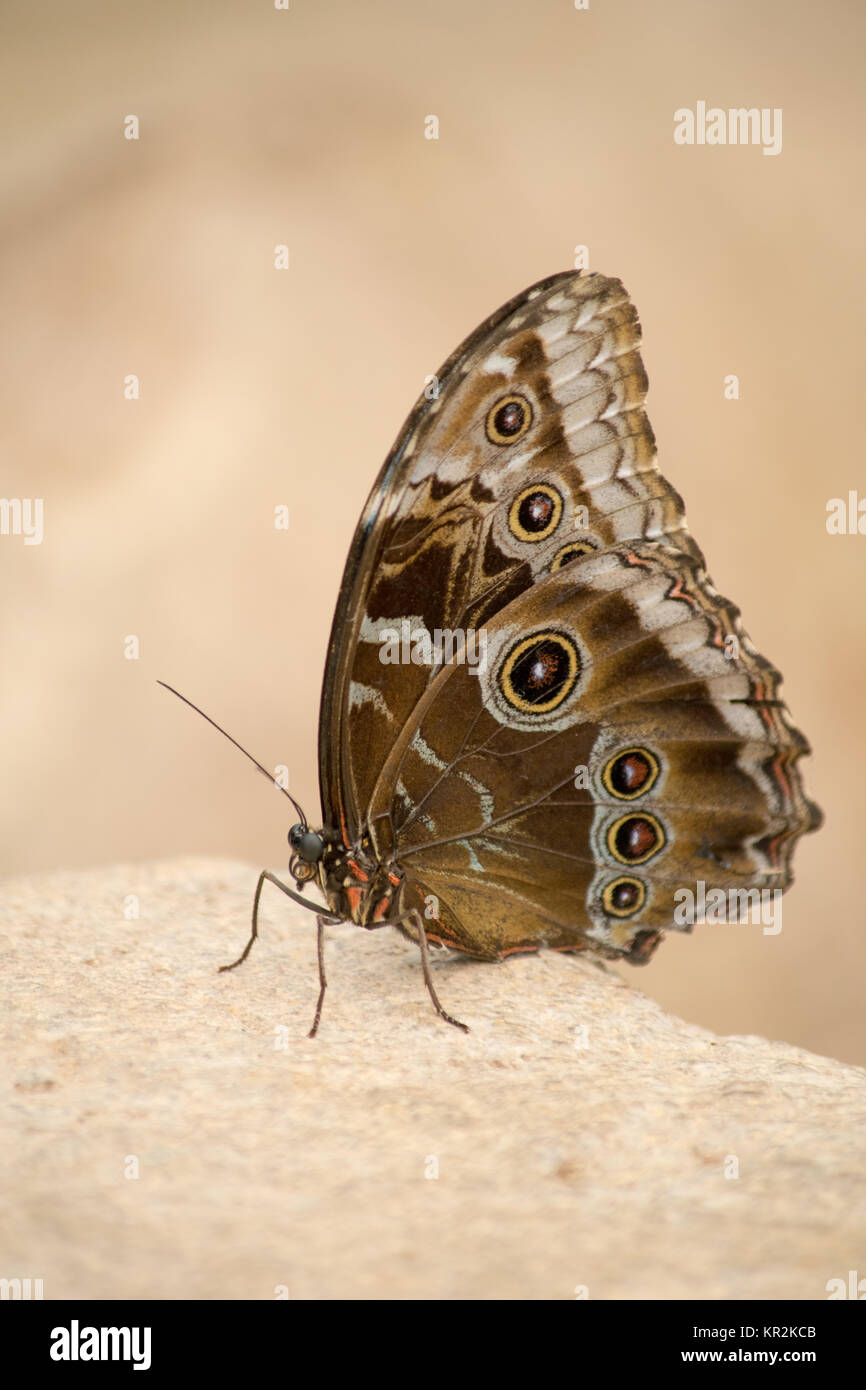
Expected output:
(290, 893)
(414, 919)
(323, 982)
(255, 931)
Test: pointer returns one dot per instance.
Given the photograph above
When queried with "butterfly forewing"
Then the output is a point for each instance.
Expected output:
(465, 515)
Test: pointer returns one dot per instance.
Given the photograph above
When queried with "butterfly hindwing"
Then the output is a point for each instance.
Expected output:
(625, 741)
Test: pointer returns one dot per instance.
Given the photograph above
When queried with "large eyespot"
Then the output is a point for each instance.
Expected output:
(535, 513)
(623, 897)
(508, 420)
(634, 839)
(572, 551)
(539, 672)
(631, 773)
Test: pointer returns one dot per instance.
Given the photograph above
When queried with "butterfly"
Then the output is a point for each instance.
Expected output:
(540, 721)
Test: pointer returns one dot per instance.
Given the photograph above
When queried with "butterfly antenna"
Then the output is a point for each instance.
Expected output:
(253, 760)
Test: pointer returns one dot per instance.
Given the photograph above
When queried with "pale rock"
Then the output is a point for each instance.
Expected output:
(582, 1137)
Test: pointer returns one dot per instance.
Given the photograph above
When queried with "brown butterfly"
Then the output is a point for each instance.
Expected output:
(540, 721)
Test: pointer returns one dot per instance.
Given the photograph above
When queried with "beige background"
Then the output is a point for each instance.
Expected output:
(258, 388)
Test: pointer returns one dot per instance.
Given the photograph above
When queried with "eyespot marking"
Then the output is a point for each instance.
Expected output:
(539, 672)
(572, 551)
(535, 513)
(623, 897)
(508, 420)
(631, 773)
(634, 839)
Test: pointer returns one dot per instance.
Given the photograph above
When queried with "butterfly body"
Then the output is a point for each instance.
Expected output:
(614, 737)
(357, 887)
(541, 724)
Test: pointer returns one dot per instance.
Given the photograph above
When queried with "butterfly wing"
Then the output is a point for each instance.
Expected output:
(625, 742)
(533, 450)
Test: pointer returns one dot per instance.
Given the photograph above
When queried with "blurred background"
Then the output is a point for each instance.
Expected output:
(259, 387)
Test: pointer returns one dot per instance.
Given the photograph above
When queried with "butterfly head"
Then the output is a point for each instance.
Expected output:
(306, 843)
(307, 850)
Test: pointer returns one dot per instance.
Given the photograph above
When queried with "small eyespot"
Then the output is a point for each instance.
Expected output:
(631, 773)
(508, 420)
(572, 551)
(634, 839)
(535, 513)
(623, 897)
(540, 672)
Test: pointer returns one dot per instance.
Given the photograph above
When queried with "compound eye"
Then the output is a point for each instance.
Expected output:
(306, 843)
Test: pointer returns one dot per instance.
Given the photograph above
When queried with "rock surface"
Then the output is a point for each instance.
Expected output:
(583, 1140)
